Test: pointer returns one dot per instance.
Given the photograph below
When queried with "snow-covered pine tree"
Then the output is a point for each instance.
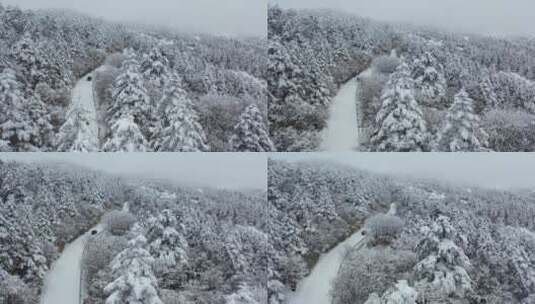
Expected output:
(429, 79)
(168, 246)
(442, 270)
(130, 96)
(155, 65)
(461, 131)
(134, 280)
(179, 129)
(28, 58)
(74, 135)
(250, 134)
(488, 93)
(126, 137)
(400, 126)
(24, 124)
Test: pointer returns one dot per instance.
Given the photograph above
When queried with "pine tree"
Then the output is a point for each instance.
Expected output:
(27, 56)
(154, 66)
(24, 123)
(488, 93)
(168, 246)
(441, 272)
(130, 97)
(179, 129)
(250, 134)
(126, 137)
(461, 131)
(429, 79)
(134, 280)
(400, 123)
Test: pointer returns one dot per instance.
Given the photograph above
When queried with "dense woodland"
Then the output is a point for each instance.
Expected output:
(457, 92)
(446, 244)
(155, 89)
(175, 245)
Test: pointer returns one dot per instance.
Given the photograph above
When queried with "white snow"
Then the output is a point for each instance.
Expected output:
(83, 101)
(315, 288)
(62, 283)
(342, 132)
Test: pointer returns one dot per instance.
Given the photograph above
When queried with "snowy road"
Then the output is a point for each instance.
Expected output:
(342, 132)
(83, 104)
(315, 288)
(62, 283)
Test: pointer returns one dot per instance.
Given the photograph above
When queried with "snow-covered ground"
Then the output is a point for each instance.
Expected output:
(83, 103)
(315, 288)
(62, 283)
(342, 132)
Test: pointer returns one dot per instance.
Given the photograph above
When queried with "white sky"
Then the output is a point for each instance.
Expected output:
(489, 170)
(495, 17)
(216, 170)
(223, 17)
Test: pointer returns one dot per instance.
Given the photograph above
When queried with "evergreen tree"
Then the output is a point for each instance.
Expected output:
(130, 97)
(400, 126)
(134, 280)
(24, 123)
(250, 134)
(461, 131)
(441, 272)
(28, 58)
(126, 137)
(155, 65)
(168, 246)
(429, 79)
(179, 129)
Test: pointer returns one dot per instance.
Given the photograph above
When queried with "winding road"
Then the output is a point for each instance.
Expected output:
(62, 283)
(342, 132)
(84, 108)
(315, 288)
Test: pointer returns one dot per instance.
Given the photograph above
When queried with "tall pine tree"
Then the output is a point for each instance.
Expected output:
(130, 96)
(250, 134)
(179, 129)
(134, 280)
(400, 126)
(461, 131)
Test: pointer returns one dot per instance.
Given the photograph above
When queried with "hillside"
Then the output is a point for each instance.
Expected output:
(196, 245)
(464, 92)
(153, 89)
(446, 244)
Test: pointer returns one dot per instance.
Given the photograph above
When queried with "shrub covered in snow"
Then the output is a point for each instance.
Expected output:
(370, 271)
(118, 222)
(383, 229)
(386, 64)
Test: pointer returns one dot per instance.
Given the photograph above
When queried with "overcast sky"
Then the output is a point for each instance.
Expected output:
(227, 17)
(217, 170)
(495, 17)
(489, 170)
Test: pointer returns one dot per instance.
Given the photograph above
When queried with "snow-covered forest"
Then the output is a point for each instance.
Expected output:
(142, 88)
(443, 244)
(160, 243)
(428, 90)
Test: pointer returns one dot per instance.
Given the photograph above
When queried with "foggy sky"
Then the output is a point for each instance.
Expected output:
(216, 170)
(488, 170)
(225, 17)
(494, 17)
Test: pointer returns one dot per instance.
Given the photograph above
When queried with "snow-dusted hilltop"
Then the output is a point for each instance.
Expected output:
(171, 245)
(151, 89)
(443, 244)
(429, 90)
